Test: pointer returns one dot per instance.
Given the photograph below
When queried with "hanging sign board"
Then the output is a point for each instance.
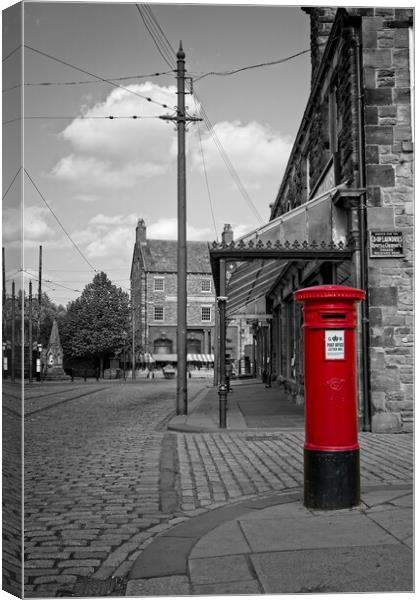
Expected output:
(386, 244)
(334, 344)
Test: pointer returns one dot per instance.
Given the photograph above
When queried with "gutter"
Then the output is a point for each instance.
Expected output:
(367, 407)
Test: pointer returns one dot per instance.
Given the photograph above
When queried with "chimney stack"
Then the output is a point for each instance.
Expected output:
(141, 232)
(227, 234)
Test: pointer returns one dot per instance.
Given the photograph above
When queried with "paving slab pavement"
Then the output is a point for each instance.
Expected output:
(250, 405)
(284, 547)
(264, 540)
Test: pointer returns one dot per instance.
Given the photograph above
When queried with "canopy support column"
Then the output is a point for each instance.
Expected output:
(221, 300)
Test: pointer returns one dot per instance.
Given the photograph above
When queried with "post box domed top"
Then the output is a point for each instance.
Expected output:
(325, 292)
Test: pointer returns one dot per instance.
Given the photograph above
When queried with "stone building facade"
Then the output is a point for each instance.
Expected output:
(154, 295)
(349, 180)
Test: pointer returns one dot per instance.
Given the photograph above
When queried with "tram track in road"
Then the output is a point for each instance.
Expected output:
(53, 393)
(63, 401)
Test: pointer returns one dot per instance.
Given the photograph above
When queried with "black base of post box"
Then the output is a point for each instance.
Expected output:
(331, 479)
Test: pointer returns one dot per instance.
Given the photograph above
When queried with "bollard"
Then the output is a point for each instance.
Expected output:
(331, 451)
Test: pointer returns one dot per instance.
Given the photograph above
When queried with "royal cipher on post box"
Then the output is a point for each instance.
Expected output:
(331, 450)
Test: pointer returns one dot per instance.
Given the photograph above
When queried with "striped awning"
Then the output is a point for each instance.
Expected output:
(205, 358)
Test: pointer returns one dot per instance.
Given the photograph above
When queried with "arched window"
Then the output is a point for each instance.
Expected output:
(193, 346)
(162, 346)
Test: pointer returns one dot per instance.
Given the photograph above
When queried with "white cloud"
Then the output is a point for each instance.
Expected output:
(253, 149)
(167, 229)
(114, 243)
(35, 226)
(108, 238)
(239, 229)
(119, 153)
(105, 220)
(90, 173)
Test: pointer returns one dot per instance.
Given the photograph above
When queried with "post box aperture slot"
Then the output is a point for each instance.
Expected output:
(334, 316)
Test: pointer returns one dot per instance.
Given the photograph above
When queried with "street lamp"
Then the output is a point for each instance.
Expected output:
(5, 365)
(124, 336)
(38, 362)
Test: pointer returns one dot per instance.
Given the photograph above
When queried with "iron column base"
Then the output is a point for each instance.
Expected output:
(331, 479)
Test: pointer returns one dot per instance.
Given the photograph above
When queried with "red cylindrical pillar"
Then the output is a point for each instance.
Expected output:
(331, 451)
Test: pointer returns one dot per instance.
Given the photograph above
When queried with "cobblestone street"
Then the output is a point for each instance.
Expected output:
(92, 458)
(104, 478)
(218, 468)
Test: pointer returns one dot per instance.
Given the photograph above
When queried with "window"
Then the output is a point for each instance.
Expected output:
(158, 313)
(159, 284)
(333, 131)
(206, 313)
(206, 285)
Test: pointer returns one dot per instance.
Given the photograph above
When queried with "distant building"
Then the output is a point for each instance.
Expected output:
(154, 292)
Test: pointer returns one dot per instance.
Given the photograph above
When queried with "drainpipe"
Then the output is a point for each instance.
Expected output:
(367, 413)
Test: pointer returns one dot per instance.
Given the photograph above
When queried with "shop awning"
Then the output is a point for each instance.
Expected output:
(165, 357)
(204, 358)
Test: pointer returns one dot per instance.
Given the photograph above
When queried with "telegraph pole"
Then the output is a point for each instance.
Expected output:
(38, 331)
(133, 337)
(4, 296)
(30, 332)
(182, 396)
(13, 357)
(181, 119)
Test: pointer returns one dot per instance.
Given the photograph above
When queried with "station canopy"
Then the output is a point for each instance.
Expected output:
(254, 262)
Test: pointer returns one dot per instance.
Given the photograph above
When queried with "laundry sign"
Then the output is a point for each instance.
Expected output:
(386, 244)
(334, 344)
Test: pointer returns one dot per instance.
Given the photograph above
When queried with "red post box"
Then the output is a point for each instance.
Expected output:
(331, 451)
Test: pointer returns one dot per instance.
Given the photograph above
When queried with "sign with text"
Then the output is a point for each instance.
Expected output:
(386, 244)
(334, 344)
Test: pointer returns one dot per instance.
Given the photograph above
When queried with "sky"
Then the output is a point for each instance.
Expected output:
(88, 180)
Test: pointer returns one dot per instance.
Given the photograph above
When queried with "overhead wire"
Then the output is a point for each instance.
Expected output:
(168, 49)
(81, 117)
(257, 66)
(227, 161)
(152, 16)
(50, 281)
(11, 183)
(11, 53)
(59, 222)
(158, 37)
(207, 181)
(109, 81)
(86, 81)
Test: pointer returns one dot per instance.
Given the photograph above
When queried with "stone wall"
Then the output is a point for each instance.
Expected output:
(314, 152)
(389, 179)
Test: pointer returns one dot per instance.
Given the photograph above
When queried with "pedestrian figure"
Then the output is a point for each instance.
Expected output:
(84, 375)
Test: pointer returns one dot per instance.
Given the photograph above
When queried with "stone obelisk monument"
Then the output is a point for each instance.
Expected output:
(54, 357)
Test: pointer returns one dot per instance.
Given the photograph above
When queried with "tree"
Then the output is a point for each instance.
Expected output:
(49, 312)
(97, 322)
